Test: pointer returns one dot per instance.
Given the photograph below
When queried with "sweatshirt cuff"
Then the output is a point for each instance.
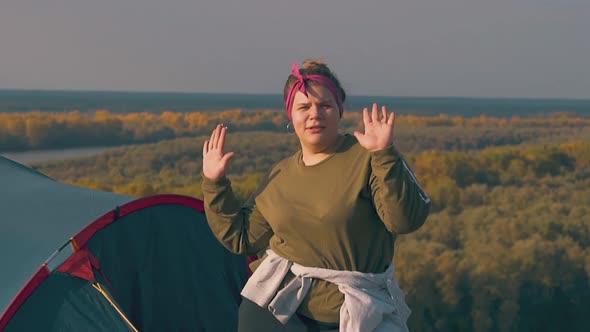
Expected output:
(385, 156)
(214, 185)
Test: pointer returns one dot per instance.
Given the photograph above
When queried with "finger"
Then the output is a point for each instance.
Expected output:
(366, 118)
(375, 113)
(211, 140)
(205, 147)
(391, 119)
(216, 137)
(222, 135)
(383, 114)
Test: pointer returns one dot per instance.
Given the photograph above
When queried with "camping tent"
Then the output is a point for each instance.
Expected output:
(148, 264)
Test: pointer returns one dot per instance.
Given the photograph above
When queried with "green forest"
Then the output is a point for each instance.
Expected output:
(505, 248)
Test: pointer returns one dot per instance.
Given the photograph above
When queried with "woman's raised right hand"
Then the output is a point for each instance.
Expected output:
(215, 161)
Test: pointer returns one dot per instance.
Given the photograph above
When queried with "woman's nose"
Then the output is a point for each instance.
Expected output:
(315, 111)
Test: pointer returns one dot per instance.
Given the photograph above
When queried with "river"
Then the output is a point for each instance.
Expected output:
(28, 157)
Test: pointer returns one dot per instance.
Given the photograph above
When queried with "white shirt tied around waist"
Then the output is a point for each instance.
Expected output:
(372, 301)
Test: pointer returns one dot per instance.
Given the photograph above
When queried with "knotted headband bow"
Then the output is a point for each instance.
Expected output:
(299, 85)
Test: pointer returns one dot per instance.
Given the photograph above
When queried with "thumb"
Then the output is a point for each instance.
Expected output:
(359, 136)
(227, 157)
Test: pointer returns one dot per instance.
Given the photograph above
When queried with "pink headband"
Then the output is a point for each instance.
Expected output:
(299, 85)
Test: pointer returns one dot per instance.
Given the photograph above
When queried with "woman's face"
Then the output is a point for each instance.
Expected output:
(315, 118)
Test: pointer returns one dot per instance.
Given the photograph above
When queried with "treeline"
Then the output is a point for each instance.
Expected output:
(506, 248)
(41, 130)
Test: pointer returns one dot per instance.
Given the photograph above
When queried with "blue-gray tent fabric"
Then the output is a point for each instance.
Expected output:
(66, 303)
(161, 264)
(169, 272)
(163, 268)
(38, 215)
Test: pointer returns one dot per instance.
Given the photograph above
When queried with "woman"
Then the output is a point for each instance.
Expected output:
(329, 215)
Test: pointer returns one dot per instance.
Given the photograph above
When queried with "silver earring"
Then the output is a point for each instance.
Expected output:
(290, 128)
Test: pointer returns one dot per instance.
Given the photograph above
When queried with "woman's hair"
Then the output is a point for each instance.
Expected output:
(313, 67)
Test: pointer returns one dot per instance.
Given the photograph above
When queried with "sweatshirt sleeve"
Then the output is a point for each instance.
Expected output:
(241, 229)
(399, 200)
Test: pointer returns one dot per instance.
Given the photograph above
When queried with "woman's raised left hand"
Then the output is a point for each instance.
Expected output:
(378, 129)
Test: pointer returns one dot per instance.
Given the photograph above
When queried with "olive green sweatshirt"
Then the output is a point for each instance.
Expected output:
(343, 213)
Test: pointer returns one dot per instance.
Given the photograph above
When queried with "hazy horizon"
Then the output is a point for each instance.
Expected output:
(279, 94)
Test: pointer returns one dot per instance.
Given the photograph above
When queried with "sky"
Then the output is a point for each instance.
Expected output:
(454, 48)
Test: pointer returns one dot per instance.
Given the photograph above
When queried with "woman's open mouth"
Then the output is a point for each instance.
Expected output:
(315, 129)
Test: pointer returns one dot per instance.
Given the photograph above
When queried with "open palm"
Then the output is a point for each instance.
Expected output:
(215, 160)
(378, 133)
